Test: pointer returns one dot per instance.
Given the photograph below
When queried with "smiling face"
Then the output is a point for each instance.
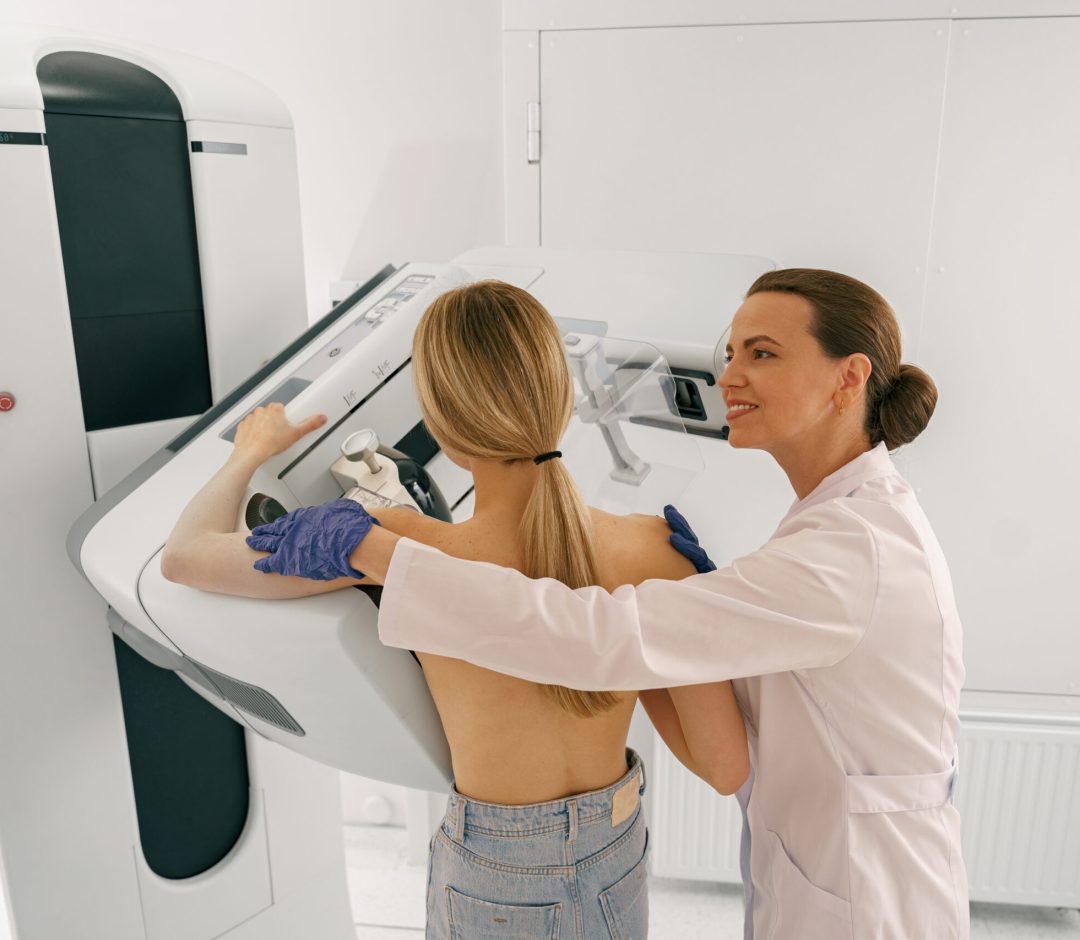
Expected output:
(783, 393)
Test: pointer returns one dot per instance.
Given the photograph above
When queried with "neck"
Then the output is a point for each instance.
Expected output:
(503, 489)
(808, 463)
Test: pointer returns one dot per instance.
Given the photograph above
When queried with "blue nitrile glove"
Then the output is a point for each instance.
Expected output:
(684, 541)
(313, 542)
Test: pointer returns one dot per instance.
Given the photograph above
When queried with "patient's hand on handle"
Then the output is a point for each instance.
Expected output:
(204, 551)
(267, 432)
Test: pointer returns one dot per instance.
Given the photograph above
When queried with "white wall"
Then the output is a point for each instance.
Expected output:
(6, 929)
(397, 109)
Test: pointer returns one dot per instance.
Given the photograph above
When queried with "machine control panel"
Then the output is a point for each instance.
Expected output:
(356, 329)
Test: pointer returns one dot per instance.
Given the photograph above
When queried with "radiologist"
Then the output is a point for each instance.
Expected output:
(841, 631)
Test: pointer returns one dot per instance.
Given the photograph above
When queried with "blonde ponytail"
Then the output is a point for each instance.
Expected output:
(557, 533)
(492, 381)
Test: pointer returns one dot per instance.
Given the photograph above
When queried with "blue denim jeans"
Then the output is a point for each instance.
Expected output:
(571, 869)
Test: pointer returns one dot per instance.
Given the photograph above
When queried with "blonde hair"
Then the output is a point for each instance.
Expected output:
(492, 382)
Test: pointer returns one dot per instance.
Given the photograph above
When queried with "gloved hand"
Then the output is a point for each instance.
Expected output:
(313, 542)
(685, 542)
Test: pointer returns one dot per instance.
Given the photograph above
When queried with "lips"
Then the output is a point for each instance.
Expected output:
(736, 409)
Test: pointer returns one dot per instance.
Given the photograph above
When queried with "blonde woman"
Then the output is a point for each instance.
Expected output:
(543, 834)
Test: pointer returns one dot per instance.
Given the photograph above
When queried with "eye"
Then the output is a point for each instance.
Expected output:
(762, 354)
(726, 358)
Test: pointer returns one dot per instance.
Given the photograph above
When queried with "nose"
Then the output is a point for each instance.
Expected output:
(731, 377)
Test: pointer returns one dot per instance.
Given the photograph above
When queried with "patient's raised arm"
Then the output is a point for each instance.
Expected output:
(203, 550)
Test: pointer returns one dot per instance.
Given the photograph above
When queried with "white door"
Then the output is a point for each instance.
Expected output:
(1000, 464)
(936, 161)
(811, 144)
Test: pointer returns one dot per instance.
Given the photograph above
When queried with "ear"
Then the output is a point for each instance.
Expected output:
(854, 374)
(459, 459)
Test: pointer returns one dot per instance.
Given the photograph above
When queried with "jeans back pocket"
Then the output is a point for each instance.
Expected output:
(626, 904)
(473, 919)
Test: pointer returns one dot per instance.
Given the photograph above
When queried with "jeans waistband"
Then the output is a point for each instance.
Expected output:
(464, 814)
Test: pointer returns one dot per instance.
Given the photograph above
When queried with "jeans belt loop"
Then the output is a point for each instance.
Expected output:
(632, 758)
(459, 821)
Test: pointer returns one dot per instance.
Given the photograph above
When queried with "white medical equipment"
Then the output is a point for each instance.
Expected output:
(308, 673)
(141, 281)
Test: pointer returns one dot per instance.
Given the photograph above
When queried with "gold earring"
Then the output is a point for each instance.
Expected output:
(841, 409)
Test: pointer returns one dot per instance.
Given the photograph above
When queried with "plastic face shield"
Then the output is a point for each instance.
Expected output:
(626, 447)
(720, 352)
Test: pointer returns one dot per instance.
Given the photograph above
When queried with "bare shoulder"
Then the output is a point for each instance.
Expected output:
(462, 539)
(415, 526)
(635, 548)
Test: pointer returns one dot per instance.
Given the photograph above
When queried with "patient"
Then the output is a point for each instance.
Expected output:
(543, 822)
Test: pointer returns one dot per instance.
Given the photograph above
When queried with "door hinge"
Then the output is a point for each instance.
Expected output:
(532, 131)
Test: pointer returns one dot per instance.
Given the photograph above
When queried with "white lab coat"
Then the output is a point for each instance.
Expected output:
(844, 640)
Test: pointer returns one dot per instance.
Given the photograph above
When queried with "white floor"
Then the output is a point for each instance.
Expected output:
(388, 901)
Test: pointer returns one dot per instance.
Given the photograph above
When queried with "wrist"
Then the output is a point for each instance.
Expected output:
(372, 556)
(245, 462)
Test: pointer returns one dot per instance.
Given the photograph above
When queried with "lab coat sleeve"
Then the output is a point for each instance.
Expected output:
(803, 600)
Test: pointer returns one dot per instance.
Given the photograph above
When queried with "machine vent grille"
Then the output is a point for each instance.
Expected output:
(251, 699)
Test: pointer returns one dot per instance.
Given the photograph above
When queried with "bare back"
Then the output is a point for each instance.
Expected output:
(509, 741)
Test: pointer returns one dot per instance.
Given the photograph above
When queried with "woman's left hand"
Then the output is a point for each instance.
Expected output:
(267, 431)
(685, 541)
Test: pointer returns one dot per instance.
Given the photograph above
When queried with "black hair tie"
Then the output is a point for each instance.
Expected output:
(550, 455)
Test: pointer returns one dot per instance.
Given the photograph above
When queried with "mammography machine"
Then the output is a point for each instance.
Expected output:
(141, 283)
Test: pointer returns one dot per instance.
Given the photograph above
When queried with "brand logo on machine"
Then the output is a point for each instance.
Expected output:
(382, 369)
(350, 397)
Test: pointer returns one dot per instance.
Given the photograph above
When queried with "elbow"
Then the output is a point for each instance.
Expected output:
(172, 566)
(726, 778)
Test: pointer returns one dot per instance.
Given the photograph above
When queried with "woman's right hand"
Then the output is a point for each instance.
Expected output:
(267, 431)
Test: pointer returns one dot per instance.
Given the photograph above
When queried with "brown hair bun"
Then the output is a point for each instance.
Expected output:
(906, 408)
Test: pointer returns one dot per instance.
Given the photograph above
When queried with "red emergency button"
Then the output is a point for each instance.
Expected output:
(7, 401)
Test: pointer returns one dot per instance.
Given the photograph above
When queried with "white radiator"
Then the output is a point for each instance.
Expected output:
(1018, 795)
(693, 830)
(1019, 799)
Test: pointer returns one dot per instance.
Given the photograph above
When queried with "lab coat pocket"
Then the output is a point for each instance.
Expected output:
(802, 909)
(473, 919)
(626, 903)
